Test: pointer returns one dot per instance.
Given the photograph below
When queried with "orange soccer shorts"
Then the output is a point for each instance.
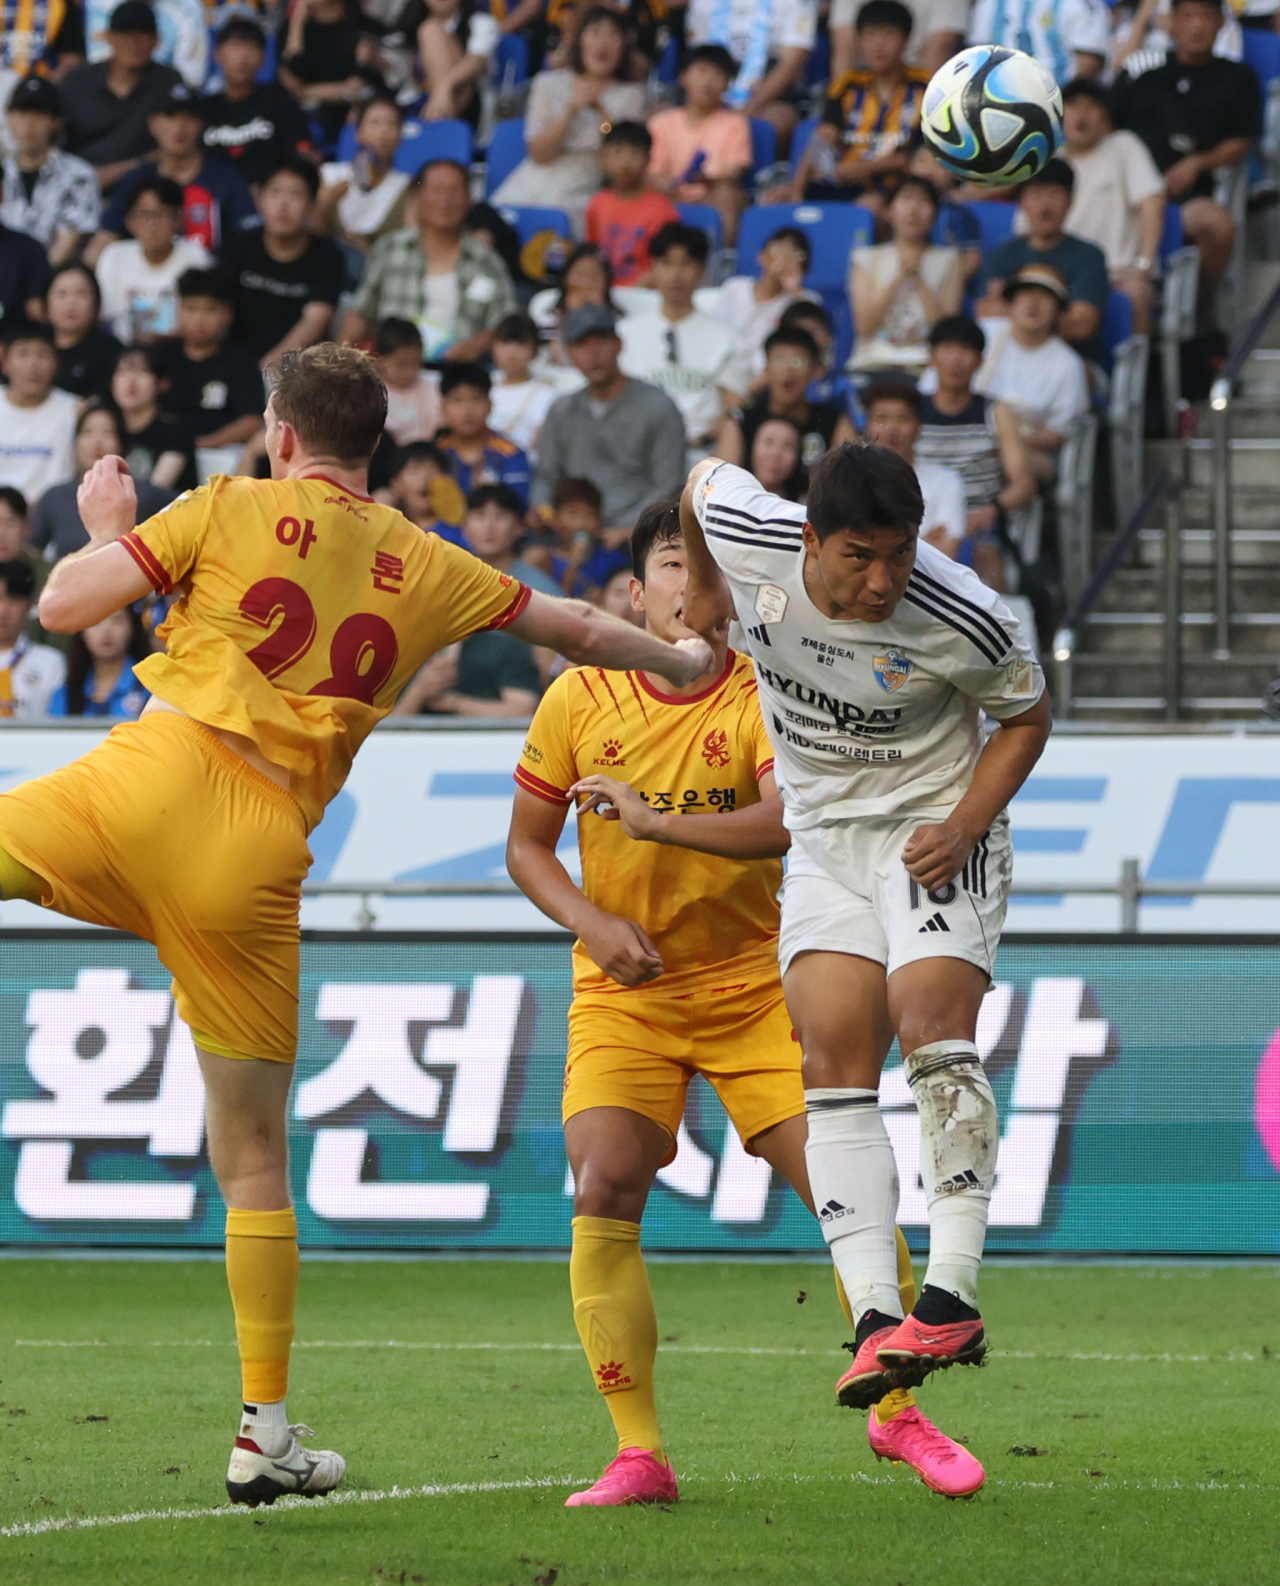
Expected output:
(164, 832)
(639, 1048)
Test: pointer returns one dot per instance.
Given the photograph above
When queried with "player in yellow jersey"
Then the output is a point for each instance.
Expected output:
(675, 973)
(304, 609)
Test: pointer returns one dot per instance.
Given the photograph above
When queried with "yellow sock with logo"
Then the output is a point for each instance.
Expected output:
(262, 1274)
(613, 1312)
(897, 1399)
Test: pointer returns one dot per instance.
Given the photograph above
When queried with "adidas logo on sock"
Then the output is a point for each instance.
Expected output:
(934, 923)
(962, 1181)
(832, 1210)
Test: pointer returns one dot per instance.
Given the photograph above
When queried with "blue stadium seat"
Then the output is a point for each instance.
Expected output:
(668, 68)
(833, 230)
(818, 67)
(706, 218)
(1117, 325)
(511, 61)
(419, 142)
(506, 150)
(764, 145)
(1262, 52)
(800, 140)
(1172, 238)
(270, 61)
(529, 220)
(996, 221)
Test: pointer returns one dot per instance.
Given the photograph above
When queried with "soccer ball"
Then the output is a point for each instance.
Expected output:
(992, 116)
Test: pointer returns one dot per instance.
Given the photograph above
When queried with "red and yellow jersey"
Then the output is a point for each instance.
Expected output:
(305, 610)
(872, 126)
(695, 755)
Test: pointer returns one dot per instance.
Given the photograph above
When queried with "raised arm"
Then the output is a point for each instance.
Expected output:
(591, 637)
(753, 832)
(92, 583)
(708, 605)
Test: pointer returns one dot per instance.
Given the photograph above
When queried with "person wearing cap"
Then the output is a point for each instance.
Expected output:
(250, 124)
(48, 194)
(30, 674)
(623, 435)
(1044, 202)
(216, 201)
(108, 103)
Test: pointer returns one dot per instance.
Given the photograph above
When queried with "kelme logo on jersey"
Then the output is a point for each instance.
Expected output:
(715, 749)
(611, 755)
(891, 669)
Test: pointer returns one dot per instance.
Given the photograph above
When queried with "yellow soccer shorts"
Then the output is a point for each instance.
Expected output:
(162, 831)
(639, 1049)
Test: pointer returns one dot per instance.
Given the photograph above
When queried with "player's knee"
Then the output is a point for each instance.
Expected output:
(959, 1121)
(604, 1188)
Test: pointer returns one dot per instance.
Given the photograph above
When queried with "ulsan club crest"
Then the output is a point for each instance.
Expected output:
(892, 669)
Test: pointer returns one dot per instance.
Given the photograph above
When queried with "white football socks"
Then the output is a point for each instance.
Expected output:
(267, 1426)
(959, 1140)
(854, 1181)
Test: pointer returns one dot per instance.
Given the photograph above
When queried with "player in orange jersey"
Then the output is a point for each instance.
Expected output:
(675, 973)
(304, 609)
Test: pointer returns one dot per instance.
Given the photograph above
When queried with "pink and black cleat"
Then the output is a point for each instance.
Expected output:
(867, 1380)
(941, 1463)
(634, 1477)
(916, 1348)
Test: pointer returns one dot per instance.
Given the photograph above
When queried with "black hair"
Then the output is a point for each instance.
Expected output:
(675, 234)
(162, 188)
(795, 235)
(150, 354)
(793, 487)
(631, 134)
(795, 316)
(78, 267)
(959, 327)
(505, 237)
(598, 13)
(884, 14)
(792, 336)
(588, 250)
(494, 495)
(241, 27)
(214, 283)
(14, 499)
(418, 452)
(295, 165)
(1054, 173)
(922, 184)
(517, 327)
(378, 99)
(433, 165)
(658, 524)
(892, 391)
(30, 330)
(80, 662)
(474, 375)
(582, 490)
(393, 334)
(101, 406)
(1086, 88)
(863, 487)
(18, 580)
(711, 55)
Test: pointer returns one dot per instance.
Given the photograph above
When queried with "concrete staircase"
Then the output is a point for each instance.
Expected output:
(1118, 662)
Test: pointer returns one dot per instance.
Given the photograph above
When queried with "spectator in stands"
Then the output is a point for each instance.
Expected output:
(829, 384)
(253, 125)
(363, 198)
(937, 33)
(980, 439)
(692, 356)
(100, 663)
(139, 277)
(567, 115)
(288, 282)
(579, 561)
(40, 38)
(893, 419)
(775, 458)
(519, 400)
(156, 447)
(702, 149)
(1029, 366)
(586, 281)
(1118, 201)
(870, 114)
(901, 289)
(24, 278)
(1197, 114)
(30, 674)
(456, 42)
(56, 528)
(50, 195)
(1044, 202)
(413, 395)
(625, 436)
(15, 534)
(108, 103)
(791, 363)
(424, 490)
(627, 212)
(1070, 38)
(213, 389)
(37, 421)
(86, 353)
(216, 202)
(452, 286)
(771, 45)
(477, 455)
(753, 307)
(615, 598)
(956, 226)
(319, 60)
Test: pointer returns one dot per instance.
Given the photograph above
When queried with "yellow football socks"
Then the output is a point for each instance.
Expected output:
(262, 1274)
(897, 1399)
(16, 881)
(613, 1312)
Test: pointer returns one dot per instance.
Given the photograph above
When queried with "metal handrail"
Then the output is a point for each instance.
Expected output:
(1220, 398)
(1064, 640)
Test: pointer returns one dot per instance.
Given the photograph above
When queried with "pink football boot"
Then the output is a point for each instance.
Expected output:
(867, 1380)
(634, 1477)
(943, 1465)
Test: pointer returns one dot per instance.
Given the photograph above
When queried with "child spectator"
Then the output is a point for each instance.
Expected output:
(586, 282)
(477, 455)
(100, 663)
(213, 390)
(627, 212)
(56, 527)
(869, 116)
(775, 458)
(423, 489)
(37, 422)
(139, 277)
(30, 673)
(702, 149)
(771, 40)
(158, 448)
(791, 362)
(893, 420)
(87, 354)
(250, 124)
(753, 307)
(15, 534)
(583, 566)
(519, 400)
(829, 384)
(615, 597)
(365, 196)
(413, 394)
(956, 226)
(50, 195)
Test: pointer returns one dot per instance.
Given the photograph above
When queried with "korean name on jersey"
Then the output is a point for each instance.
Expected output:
(866, 718)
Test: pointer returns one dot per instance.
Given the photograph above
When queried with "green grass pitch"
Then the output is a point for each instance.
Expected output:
(1127, 1420)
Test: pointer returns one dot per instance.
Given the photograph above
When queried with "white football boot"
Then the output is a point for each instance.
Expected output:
(254, 1477)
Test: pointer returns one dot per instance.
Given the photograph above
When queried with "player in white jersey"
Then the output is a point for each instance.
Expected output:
(876, 657)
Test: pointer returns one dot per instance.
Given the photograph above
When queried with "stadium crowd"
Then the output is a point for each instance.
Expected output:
(189, 194)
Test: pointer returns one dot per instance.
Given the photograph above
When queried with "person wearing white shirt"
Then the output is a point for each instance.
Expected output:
(519, 401)
(30, 674)
(139, 277)
(695, 358)
(771, 41)
(893, 420)
(37, 421)
(753, 306)
(1070, 38)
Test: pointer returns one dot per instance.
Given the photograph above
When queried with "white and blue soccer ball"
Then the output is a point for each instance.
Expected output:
(992, 116)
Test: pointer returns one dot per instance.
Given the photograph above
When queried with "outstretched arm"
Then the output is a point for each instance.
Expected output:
(708, 605)
(753, 832)
(92, 583)
(591, 637)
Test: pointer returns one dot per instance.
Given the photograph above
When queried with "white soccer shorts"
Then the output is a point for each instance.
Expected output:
(877, 910)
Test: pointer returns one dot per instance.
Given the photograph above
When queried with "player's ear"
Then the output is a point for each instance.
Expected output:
(637, 596)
